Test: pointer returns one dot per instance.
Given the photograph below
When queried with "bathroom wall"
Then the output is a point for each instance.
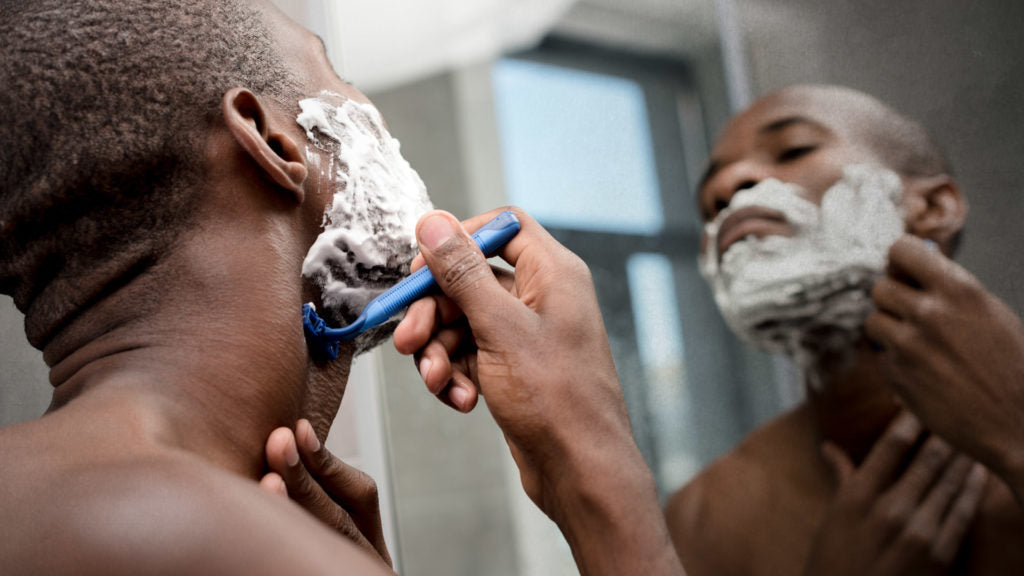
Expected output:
(24, 387)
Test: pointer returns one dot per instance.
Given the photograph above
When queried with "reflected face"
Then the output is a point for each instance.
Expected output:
(799, 217)
(798, 137)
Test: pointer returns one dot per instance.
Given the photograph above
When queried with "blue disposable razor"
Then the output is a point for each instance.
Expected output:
(323, 340)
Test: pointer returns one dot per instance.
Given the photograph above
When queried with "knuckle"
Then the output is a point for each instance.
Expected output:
(321, 504)
(855, 495)
(364, 488)
(947, 486)
(924, 308)
(902, 438)
(352, 484)
(344, 524)
(934, 452)
(302, 488)
(963, 283)
(331, 467)
(576, 268)
(918, 536)
(519, 212)
(321, 461)
(462, 268)
(891, 518)
(902, 339)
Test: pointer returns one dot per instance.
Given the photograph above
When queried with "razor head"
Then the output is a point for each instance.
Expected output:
(321, 343)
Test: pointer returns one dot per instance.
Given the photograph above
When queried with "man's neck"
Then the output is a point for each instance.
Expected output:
(215, 368)
(853, 405)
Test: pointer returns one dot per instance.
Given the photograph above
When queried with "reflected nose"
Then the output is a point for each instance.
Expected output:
(731, 179)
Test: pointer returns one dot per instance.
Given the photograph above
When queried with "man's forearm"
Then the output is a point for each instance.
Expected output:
(610, 516)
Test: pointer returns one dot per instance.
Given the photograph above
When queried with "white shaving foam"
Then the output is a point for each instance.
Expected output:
(807, 294)
(369, 226)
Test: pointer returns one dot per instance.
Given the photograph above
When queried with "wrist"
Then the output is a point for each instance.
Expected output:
(605, 502)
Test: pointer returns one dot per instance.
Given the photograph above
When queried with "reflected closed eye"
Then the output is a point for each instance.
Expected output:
(795, 152)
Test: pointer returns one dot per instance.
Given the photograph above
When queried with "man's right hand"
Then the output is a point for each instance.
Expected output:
(536, 349)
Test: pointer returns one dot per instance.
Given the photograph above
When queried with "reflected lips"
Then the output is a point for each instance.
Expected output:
(752, 220)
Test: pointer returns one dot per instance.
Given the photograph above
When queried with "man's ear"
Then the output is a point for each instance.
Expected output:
(935, 209)
(272, 150)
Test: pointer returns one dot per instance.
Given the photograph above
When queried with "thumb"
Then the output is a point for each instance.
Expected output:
(460, 269)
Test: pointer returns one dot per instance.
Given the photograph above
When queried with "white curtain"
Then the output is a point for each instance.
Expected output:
(377, 44)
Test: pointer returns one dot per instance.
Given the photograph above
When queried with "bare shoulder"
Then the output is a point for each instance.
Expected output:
(720, 521)
(164, 514)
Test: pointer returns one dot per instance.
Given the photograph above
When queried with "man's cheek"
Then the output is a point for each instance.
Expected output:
(369, 223)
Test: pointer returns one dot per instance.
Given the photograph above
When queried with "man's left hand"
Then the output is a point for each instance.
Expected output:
(337, 494)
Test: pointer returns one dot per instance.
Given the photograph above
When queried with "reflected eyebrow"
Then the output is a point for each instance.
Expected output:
(770, 128)
(783, 123)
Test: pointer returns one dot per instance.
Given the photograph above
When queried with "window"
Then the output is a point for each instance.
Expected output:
(602, 149)
(577, 147)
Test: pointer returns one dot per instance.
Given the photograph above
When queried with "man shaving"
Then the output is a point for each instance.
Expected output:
(805, 193)
(166, 169)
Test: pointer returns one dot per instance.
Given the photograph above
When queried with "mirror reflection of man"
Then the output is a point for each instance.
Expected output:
(155, 213)
(805, 193)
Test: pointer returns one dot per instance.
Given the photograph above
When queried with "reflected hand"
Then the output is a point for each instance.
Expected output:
(340, 496)
(954, 352)
(887, 519)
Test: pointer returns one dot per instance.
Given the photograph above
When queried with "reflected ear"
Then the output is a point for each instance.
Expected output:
(935, 209)
(275, 152)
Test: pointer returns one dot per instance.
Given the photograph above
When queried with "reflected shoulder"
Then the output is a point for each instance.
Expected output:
(713, 518)
(721, 519)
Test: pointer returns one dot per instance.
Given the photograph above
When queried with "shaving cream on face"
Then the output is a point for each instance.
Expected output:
(807, 294)
(369, 227)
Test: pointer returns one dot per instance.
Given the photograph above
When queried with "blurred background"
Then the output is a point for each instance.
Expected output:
(596, 116)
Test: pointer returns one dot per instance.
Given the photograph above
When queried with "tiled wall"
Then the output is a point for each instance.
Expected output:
(24, 388)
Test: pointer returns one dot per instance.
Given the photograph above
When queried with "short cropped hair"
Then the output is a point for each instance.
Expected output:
(905, 145)
(907, 148)
(104, 108)
(899, 142)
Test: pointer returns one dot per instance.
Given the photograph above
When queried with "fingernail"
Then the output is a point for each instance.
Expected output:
(979, 471)
(931, 244)
(281, 487)
(425, 365)
(435, 231)
(312, 442)
(909, 423)
(460, 397)
(291, 453)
